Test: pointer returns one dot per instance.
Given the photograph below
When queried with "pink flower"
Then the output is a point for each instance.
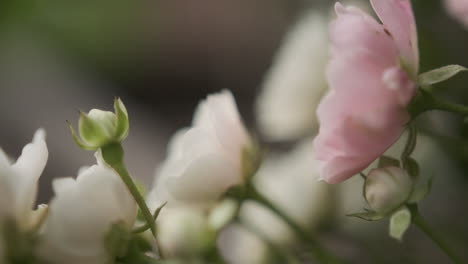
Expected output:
(371, 75)
(459, 10)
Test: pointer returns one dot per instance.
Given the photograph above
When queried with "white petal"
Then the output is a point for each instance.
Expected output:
(296, 81)
(81, 214)
(27, 169)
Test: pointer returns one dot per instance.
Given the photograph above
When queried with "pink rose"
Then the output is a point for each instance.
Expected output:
(371, 75)
(459, 10)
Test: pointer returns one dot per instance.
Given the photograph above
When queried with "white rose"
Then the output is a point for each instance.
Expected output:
(296, 82)
(81, 215)
(19, 182)
(206, 159)
(18, 186)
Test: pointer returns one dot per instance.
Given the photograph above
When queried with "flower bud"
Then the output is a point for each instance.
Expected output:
(99, 128)
(387, 188)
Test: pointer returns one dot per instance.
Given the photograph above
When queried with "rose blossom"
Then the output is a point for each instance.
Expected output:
(82, 214)
(205, 159)
(371, 75)
(296, 82)
(19, 182)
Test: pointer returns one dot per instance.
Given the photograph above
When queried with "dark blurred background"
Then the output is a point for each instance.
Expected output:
(161, 58)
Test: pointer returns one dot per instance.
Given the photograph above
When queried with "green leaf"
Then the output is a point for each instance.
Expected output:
(419, 193)
(368, 215)
(439, 75)
(387, 161)
(399, 223)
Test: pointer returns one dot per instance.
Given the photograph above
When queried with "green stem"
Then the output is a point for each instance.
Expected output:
(419, 221)
(426, 101)
(113, 155)
(319, 252)
(439, 104)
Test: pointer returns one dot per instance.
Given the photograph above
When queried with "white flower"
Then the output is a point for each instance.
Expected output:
(240, 246)
(184, 231)
(296, 82)
(204, 160)
(290, 181)
(81, 215)
(19, 182)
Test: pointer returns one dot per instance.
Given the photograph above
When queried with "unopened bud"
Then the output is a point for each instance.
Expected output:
(387, 188)
(99, 128)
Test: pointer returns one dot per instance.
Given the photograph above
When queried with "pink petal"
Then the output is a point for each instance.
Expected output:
(397, 16)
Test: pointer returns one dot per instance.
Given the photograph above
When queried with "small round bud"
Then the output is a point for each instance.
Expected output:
(99, 128)
(387, 188)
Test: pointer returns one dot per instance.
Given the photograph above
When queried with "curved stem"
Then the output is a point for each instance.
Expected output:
(113, 155)
(419, 221)
(122, 171)
(426, 101)
(319, 252)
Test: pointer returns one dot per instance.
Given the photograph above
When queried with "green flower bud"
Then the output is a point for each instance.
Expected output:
(99, 128)
(387, 188)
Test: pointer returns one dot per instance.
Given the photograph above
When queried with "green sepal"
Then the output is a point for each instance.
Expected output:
(368, 215)
(18, 246)
(420, 192)
(439, 75)
(400, 221)
(123, 123)
(155, 217)
(78, 141)
(251, 159)
(387, 161)
(117, 240)
(92, 131)
(128, 248)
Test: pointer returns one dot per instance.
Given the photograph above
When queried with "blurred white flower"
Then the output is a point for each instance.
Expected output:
(290, 181)
(18, 186)
(296, 82)
(184, 232)
(240, 246)
(206, 159)
(81, 215)
(19, 182)
(458, 9)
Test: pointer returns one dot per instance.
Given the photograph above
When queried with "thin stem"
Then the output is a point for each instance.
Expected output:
(319, 252)
(410, 144)
(426, 101)
(443, 105)
(419, 221)
(113, 155)
(127, 179)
